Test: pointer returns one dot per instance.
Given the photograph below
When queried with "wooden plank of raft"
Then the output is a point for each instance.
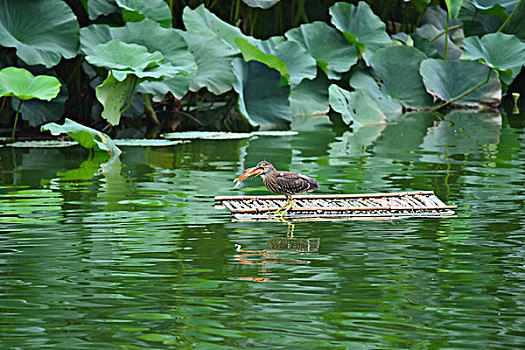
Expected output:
(328, 196)
(317, 209)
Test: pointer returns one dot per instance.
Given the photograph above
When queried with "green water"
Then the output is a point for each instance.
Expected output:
(133, 254)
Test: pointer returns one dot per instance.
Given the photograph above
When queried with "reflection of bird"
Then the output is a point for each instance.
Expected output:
(284, 182)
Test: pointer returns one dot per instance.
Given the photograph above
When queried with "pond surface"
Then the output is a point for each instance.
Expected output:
(132, 254)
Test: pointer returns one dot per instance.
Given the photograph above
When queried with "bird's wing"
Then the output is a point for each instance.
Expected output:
(295, 183)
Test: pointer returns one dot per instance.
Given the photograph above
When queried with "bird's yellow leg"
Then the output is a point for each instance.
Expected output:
(279, 211)
(288, 206)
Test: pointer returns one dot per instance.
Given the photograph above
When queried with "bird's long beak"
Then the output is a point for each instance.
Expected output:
(247, 173)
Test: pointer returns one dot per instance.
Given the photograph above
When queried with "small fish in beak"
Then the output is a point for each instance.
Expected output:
(254, 171)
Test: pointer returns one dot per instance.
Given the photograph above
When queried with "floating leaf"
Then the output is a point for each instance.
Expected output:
(447, 80)
(264, 4)
(356, 107)
(145, 142)
(398, 69)
(503, 52)
(262, 99)
(363, 81)
(361, 27)
(42, 144)
(334, 55)
(42, 32)
(223, 135)
(137, 10)
(87, 137)
(20, 83)
(207, 135)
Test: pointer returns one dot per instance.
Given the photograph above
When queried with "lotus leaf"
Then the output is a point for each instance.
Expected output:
(333, 55)
(137, 10)
(356, 107)
(42, 32)
(299, 62)
(429, 31)
(204, 23)
(38, 112)
(503, 52)
(497, 8)
(398, 69)
(214, 63)
(264, 4)
(252, 53)
(453, 7)
(130, 58)
(262, 99)
(87, 137)
(42, 144)
(96, 8)
(112, 95)
(310, 97)
(21, 83)
(170, 42)
(361, 27)
(363, 81)
(447, 80)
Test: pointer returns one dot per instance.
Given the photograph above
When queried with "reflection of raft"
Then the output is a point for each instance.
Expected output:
(340, 206)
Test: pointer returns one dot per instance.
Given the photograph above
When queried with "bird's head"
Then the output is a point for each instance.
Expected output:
(262, 168)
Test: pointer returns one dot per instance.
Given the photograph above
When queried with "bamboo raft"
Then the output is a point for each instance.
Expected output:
(339, 206)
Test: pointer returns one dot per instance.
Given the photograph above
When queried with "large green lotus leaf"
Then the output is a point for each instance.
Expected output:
(87, 137)
(38, 112)
(503, 52)
(447, 80)
(361, 27)
(121, 56)
(20, 83)
(356, 107)
(363, 81)
(498, 8)
(398, 69)
(96, 8)
(204, 23)
(214, 63)
(310, 97)
(262, 99)
(137, 10)
(453, 7)
(429, 31)
(170, 42)
(263, 4)
(178, 85)
(324, 43)
(42, 31)
(253, 53)
(112, 95)
(299, 63)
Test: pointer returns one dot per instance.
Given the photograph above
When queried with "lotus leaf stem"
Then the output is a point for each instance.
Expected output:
(446, 40)
(457, 26)
(463, 94)
(16, 119)
(134, 85)
(510, 16)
